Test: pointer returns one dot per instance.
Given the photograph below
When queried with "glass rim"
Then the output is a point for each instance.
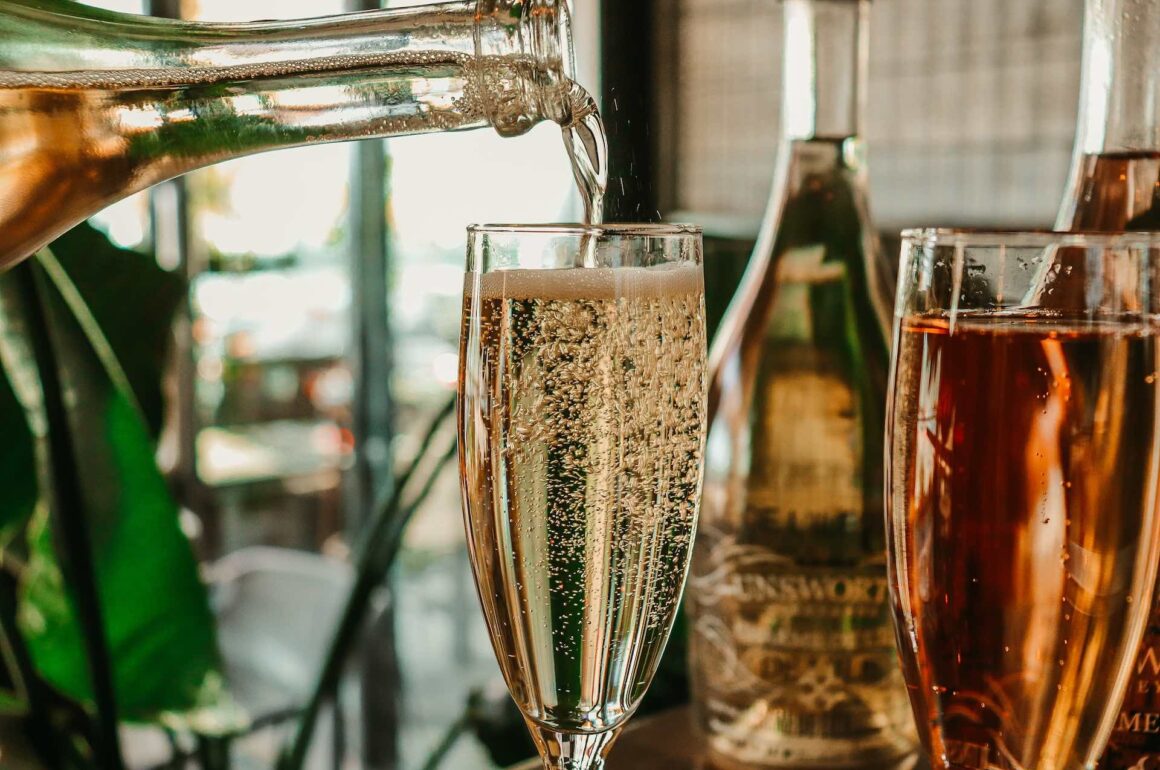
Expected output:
(997, 238)
(629, 230)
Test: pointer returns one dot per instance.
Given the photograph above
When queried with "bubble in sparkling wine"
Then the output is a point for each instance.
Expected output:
(592, 396)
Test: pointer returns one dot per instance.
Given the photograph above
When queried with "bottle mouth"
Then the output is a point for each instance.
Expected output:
(525, 45)
(547, 35)
(548, 26)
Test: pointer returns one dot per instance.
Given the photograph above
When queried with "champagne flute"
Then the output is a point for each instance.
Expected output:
(1022, 470)
(582, 396)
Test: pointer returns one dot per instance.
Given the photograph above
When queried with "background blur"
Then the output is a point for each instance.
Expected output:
(326, 283)
(971, 118)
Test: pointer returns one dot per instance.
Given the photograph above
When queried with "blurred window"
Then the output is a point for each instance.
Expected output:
(972, 104)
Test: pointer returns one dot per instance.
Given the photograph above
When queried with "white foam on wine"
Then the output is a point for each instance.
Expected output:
(668, 280)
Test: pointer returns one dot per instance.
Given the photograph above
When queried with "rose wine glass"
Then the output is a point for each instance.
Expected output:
(1022, 468)
(581, 426)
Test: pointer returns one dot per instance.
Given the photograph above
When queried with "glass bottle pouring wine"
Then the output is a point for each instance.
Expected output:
(792, 649)
(95, 105)
(1115, 185)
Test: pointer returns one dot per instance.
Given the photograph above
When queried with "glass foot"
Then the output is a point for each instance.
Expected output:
(572, 751)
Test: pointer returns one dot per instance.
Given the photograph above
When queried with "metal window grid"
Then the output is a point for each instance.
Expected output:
(971, 118)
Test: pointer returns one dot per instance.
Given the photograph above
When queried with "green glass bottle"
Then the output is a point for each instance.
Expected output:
(792, 647)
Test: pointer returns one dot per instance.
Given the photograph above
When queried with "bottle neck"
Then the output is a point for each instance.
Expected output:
(52, 36)
(518, 53)
(95, 105)
(824, 82)
(1120, 92)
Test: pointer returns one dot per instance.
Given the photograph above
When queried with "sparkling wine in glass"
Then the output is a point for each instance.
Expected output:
(582, 428)
(1022, 469)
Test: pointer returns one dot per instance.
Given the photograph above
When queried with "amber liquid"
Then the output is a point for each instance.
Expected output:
(1021, 464)
(1115, 192)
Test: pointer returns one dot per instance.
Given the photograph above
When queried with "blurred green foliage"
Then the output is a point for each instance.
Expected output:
(105, 315)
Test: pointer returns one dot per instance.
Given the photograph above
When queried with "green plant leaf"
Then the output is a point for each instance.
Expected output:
(13, 700)
(60, 729)
(11, 704)
(130, 300)
(18, 491)
(158, 626)
(47, 401)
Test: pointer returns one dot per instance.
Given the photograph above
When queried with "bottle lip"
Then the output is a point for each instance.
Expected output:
(982, 238)
(548, 24)
(621, 230)
(529, 44)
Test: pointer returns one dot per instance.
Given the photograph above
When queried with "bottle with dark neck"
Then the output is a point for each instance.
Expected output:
(95, 105)
(1115, 185)
(1115, 176)
(792, 649)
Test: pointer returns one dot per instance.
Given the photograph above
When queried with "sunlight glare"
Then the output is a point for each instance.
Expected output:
(441, 184)
(279, 203)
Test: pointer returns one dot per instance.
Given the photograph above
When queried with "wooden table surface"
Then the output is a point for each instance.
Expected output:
(669, 742)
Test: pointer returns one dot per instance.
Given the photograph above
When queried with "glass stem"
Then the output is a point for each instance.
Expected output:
(572, 751)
